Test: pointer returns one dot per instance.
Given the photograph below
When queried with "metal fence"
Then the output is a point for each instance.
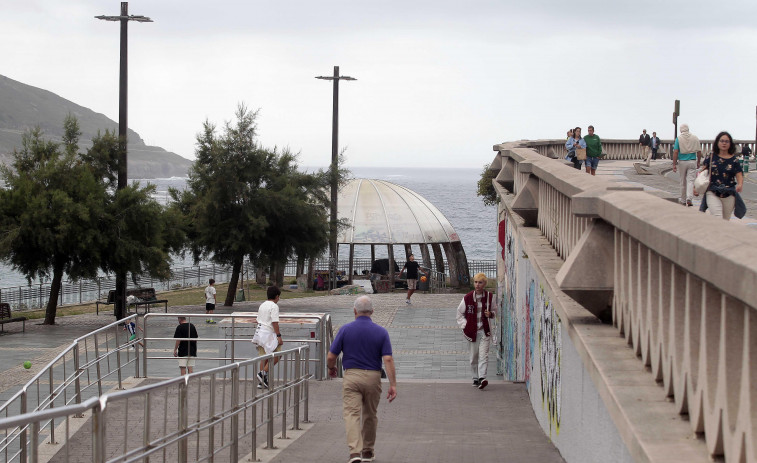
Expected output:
(35, 296)
(217, 413)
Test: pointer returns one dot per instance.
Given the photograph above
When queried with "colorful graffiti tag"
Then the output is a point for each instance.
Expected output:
(550, 347)
(531, 330)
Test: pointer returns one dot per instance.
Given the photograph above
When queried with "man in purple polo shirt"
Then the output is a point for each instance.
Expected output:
(363, 345)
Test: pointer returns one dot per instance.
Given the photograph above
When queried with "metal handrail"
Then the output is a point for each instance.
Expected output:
(237, 382)
(322, 341)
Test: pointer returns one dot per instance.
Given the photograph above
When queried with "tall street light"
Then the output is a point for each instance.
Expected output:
(333, 254)
(124, 18)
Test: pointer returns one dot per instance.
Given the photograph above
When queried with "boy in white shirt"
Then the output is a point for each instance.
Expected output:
(210, 300)
(268, 336)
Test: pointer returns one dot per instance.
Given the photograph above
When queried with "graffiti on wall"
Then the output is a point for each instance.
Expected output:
(550, 348)
(531, 332)
(511, 348)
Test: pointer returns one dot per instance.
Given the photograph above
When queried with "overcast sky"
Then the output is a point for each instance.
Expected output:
(439, 82)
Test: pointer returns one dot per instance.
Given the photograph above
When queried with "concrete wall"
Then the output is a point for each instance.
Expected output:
(534, 350)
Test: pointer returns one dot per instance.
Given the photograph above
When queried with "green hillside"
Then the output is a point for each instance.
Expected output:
(23, 107)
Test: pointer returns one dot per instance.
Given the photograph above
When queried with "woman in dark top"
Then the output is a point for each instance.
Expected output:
(726, 177)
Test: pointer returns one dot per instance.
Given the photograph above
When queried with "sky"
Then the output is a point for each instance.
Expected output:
(438, 82)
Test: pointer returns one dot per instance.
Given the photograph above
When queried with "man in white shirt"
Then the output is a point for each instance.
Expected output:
(210, 300)
(268, 336)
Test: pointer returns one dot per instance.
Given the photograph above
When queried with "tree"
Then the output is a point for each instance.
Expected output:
(241, 200)
(49, 212)
(485, 188)
(61, 215)
(295, 205)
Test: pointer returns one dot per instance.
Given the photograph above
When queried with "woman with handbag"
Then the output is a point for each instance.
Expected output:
(573, 144)
(726, 180)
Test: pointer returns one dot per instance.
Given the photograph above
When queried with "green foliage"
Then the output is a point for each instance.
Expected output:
(246, 200)
(485, 188)
(60, 214)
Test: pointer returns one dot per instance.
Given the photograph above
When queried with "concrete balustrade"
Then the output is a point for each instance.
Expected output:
(616, 149)
(678, 378)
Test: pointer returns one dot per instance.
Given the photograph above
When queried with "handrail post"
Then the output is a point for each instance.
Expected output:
(235, 417)
(77, 374)
(269, 424)
(183, 420)
(98, 433)
(284, 398)
(52, 404)
(24, 430)
(298, 377)
(307, 386)
(118, 356)
(233, 337)
(97, 366)
(144, 346)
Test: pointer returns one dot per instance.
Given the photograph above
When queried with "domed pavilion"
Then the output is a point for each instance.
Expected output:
(384, 214)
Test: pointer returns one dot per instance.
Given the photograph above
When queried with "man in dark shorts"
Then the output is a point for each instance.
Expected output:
(413, 269)
(184, 349)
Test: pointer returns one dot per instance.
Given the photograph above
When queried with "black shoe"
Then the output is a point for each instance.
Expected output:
(475, 383)
(367, 455)
(482, 383)
(263, 378)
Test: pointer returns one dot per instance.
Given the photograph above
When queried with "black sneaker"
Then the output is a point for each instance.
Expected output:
(263, 378)
(475, 383)
(482, 383)
(367, 455)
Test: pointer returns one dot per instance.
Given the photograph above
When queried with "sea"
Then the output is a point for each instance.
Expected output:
(452, 191)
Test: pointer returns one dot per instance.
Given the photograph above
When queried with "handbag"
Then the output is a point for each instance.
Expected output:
(581, 153)
(702, 182)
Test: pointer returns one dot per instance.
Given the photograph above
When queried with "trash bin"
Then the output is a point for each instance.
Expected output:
(240, 296)
(745, 163)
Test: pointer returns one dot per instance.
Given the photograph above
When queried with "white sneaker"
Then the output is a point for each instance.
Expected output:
(407, 301)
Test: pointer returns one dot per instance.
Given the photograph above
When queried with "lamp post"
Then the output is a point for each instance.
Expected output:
(120, 305)
(333, 252)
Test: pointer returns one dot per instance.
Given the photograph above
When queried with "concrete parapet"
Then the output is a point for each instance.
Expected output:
(681, 289)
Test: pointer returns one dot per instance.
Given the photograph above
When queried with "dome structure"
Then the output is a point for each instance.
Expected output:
(377, 212)
(381, 212)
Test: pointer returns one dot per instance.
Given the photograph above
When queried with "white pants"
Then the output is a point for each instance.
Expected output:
(647, 153)
(479, 355)
(688, 172)
(720, 207)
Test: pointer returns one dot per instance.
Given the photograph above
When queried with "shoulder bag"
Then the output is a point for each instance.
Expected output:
(702, 182)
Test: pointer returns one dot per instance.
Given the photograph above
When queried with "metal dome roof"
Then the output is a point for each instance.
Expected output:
(381, 212)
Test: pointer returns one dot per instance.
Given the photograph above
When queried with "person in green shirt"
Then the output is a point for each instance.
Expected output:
(593, 151)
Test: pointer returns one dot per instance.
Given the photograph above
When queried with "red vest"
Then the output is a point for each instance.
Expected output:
(471, 314)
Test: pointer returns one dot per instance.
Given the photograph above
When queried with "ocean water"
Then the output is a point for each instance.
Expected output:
(452, 191)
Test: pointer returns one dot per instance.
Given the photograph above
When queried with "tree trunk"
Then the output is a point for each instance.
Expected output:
(260, 275)
(52, 303)
(237, 267)
(277, 273)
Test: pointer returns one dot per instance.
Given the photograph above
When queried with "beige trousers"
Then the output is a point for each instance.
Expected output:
(647, 153)
(361, 391)
(720, 207)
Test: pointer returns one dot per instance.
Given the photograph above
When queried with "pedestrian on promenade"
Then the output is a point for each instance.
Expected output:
(268, 335)
(573, 143)
(570, 134)
(654, 143)
(473, 315)
(746, 151)
(413, 269)
(363, 345)
(687, 155)
(645, 144)
(210, 300)
(593, 151)
(726, 180)
(185, 350)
